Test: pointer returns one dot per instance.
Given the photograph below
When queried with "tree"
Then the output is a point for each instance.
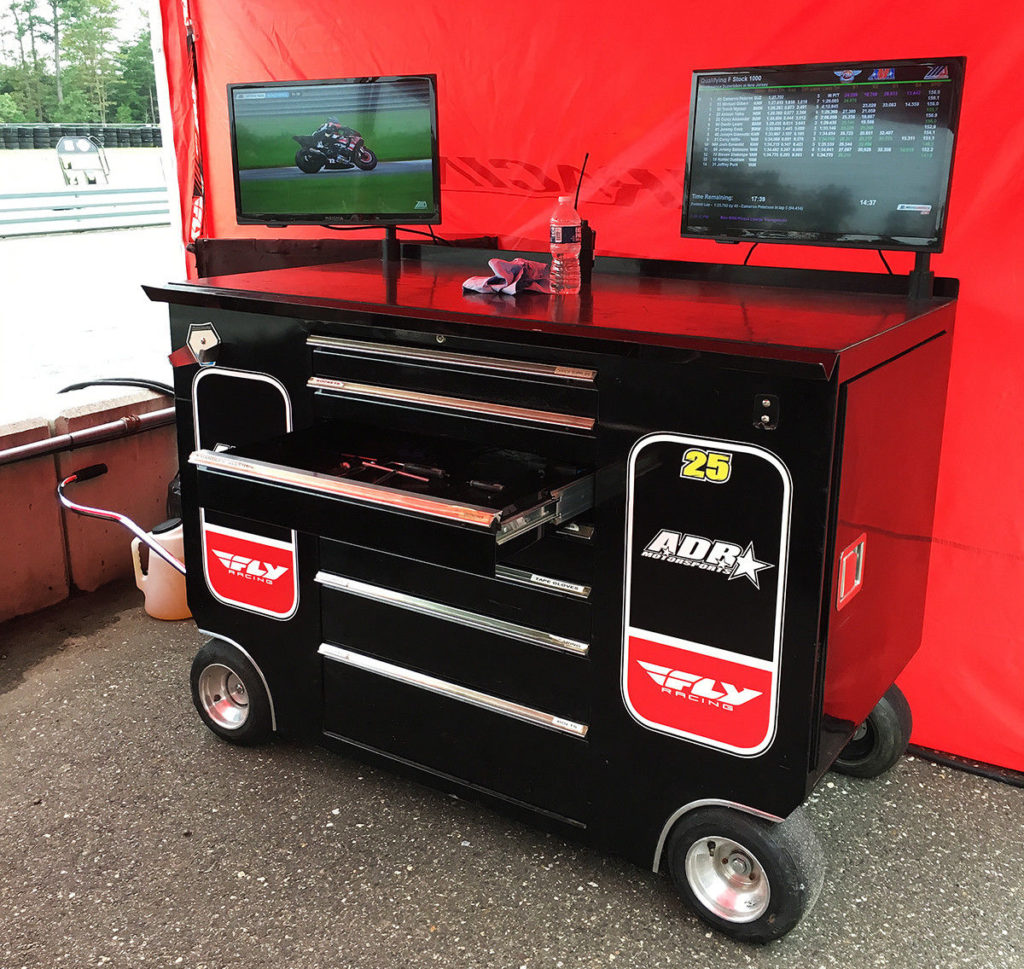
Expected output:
(89, 39)
(133, 95)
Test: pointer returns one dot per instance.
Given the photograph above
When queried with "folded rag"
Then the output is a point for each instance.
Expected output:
(515, 276)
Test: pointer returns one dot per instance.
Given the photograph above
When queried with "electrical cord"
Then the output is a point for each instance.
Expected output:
(154, 385)
(746, 258)
(881, 255)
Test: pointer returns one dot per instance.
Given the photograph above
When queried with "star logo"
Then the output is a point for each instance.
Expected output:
(748, 566)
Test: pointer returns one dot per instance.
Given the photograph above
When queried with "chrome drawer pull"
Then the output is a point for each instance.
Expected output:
(345, 488)
(471, 361)
(570, 421)
(427, 607)
(485, 701)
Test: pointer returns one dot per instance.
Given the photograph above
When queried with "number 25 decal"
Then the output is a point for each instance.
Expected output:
(713, 466)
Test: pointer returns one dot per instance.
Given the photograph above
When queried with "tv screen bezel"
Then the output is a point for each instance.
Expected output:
(831, 240)
(356, 219)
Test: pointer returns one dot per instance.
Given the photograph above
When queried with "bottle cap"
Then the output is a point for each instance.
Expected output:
(565, 198)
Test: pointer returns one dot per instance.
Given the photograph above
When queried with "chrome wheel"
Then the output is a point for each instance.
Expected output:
(223, 696)
(727, 879)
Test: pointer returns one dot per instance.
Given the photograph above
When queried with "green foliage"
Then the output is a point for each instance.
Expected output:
(10, 110)
(100, 78)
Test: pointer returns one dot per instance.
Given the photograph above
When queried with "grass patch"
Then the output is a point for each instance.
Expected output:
(342, 193)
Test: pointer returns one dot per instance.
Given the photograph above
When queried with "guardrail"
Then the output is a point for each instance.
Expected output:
(82, 209)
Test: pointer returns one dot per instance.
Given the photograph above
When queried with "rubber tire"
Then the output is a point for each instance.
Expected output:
(258, 725)
(889, 726)
(788, 851)
(365, 159)
(309, 160)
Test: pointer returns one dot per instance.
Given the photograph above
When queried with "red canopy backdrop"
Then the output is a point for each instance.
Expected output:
(524, 93)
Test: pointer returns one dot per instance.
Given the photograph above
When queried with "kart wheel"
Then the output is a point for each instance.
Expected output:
(750, 878)
(309, 160)
(365, 159)
(229, 694)
(881, 740)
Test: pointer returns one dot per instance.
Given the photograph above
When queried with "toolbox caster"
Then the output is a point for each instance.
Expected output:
(229, 694)
(881, 740)
(750, 878)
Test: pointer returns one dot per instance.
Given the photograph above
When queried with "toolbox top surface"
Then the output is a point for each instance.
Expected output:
(733, 313)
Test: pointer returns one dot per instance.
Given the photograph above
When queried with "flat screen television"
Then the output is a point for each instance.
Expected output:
(354, 151)
(849, 154)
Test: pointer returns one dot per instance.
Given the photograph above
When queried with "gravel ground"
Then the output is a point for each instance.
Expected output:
(129, 835)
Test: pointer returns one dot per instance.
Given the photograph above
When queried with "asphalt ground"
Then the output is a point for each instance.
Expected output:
(131, 836)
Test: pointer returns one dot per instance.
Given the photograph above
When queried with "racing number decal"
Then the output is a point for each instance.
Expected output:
(700, 465)
(705, 590)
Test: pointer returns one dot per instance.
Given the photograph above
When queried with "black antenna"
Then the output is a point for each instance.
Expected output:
(579, 184)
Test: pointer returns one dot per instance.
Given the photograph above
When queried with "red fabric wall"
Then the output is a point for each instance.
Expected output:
(524, 93)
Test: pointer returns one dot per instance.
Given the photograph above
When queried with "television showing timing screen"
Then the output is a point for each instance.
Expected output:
(852, 154)
(359, 151)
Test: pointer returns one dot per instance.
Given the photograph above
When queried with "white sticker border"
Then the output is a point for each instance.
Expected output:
(780, 601)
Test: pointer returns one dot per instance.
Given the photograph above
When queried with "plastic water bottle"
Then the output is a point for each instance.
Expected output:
(566, 237)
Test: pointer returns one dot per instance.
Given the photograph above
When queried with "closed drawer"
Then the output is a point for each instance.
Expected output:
(551, 607)
(532, 756)
(530, 384)
(451, 501)
(511, 661)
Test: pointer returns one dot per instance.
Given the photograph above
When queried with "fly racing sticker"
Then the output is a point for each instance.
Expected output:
(724, 558)
(687, 690)
(251, 571)
(704, 593)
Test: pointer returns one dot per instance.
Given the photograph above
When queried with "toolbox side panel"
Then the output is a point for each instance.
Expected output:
(882, 534)
(644, 776)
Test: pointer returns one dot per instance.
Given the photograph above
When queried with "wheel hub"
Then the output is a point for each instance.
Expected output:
(223, 696)
(727, 879)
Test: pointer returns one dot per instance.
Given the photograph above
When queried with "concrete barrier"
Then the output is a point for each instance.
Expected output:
(34, 572)
(53, 550)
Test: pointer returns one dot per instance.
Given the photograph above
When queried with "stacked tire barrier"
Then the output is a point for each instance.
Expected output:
(108, 135)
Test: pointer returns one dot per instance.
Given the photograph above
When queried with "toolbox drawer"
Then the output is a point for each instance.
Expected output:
(470, 377)
(550, 607)
(449, 501)
(530, 756)
(519, 663)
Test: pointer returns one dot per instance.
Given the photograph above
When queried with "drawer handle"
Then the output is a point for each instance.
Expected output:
(343, 488)
(427, 607)
(453, 691)
(470, 361)
(570, 421)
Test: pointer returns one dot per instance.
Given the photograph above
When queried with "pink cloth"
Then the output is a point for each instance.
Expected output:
(513, 277)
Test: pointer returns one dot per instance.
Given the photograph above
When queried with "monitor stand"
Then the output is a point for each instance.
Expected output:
(921, 279)
(391, 251)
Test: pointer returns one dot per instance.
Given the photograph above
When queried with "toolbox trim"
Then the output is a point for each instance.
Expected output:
(454, 691)
(470, 361)
(344, 488)
(474, 620)
(571, 422)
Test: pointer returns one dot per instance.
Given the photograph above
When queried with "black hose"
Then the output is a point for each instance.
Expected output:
(154, 385)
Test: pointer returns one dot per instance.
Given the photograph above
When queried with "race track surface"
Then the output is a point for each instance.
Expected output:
(290, 172)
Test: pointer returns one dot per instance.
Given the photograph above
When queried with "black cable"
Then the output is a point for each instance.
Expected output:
(881, 255)
(154, 385)
(746, 258)
(398, 228)
(579, 184)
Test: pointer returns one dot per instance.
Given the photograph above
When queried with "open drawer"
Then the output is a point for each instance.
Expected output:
(433, 499)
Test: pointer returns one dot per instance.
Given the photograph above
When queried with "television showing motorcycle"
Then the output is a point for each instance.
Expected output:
(334, 149)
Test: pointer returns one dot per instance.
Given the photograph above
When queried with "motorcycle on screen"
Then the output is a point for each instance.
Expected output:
(347, 151)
